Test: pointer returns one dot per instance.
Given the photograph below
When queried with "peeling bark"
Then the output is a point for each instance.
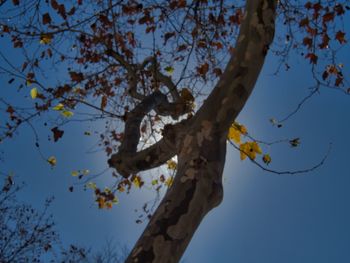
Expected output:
(200, 144)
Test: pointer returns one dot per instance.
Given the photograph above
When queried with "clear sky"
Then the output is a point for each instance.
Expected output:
(264, 218)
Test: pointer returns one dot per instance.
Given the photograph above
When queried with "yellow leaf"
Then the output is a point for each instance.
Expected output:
(101, 202)
(137, 182)
(34, 93)
(241, 128)
(115, 200)
(67, 113)
(91, 185)
(169, 181)
(234, 134)
(52, 160)
(169, 70)
(154, 182)
(121, 188)
(74, 173)
(256, 148)
(85, 172)
(171, 164)
(267, 158)
(58, 107)
(249, 149)
(45, 39)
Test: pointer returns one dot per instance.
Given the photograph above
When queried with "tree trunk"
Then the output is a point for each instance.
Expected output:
(201, 151)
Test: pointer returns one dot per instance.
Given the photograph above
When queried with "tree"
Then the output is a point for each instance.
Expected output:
(29, 235)
(141, 65)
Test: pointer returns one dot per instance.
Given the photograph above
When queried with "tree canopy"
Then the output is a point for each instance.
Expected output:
(167, 79)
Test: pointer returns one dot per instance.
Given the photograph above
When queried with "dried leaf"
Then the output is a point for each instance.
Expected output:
(57, 133)
(52, 161)
(46, 18)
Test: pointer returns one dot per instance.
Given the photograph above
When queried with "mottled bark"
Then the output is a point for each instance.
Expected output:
(200, 145)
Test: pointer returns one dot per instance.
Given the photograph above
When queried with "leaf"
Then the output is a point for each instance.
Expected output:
(234, 135)
(10, 110)
(54, 4)
(137, 181)
(34, 93)
(186, 95)
(87, 133)
(266, 158)
(307, 42)
(91, 185)
(52, 161)
(169, 69)
(67, 113)
(115, 200)
(167, 36)
(57, 133)
(171, 164)
(328, 17)
(103, 102)
(340, 36)
(249, 149)
(169, 181)
(121, 188)
(313, 58)
(15, 2)
(154, 182)
(235, 132)
(295, 142)
(46, 18)
(74, 173)
(203, 69)
(58, 107)
(45, 39)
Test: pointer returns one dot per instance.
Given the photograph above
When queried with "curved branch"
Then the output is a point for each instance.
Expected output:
(307, 170)
(128, 160)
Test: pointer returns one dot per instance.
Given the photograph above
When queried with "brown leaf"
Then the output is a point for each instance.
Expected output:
(62, 11)
(307, 42)
(217, 72)
(167, 36)
(304, 22)
(15, 2)
(203, 69)
(10, 110)
(54, 4)
(325, 41)
(103, 102)
(328, 17)
(75, 76)
(313, 57)
(339, 81)
(57, 133)
(46, 18)
(181, 47)
(340, 36)
(339, 9)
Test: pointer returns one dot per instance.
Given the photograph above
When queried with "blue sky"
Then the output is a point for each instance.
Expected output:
(263, 218)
